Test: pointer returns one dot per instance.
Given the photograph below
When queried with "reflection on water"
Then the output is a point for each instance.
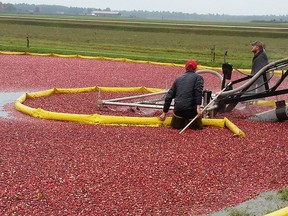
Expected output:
(6, 98)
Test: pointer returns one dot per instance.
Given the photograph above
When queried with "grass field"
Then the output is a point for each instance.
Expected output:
(152, 40)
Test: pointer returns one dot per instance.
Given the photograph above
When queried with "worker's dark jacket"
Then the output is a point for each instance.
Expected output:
(259, 61)
(186, 91)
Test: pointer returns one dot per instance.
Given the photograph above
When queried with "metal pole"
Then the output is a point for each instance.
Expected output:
(99, 99)
(204, 108)
(134, 97)
(133, 104)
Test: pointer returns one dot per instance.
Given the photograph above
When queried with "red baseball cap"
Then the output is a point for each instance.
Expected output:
(191, 65)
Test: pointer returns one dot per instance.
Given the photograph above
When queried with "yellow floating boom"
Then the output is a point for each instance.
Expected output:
(105, 119)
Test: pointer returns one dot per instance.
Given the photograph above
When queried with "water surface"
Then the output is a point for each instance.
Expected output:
(6, 98)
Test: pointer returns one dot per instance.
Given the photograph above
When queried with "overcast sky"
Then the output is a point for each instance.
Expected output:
(230, 7)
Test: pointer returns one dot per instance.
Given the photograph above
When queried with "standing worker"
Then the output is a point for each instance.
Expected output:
(187, 94)
(259, 60)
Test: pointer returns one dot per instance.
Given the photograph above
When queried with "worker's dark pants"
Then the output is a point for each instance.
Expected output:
(181, 118)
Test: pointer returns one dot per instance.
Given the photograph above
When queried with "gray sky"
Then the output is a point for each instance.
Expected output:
(230, 7)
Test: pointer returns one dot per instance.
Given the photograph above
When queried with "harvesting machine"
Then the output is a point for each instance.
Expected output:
(247, 92)
(242, 90)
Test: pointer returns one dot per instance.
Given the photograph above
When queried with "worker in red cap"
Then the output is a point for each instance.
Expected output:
(187, 94)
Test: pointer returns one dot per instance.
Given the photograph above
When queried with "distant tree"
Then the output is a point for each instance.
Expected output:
(10, 8)
(37, 9)
(56, 9)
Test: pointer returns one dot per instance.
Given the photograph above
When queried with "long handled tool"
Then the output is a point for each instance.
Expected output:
(204, 108)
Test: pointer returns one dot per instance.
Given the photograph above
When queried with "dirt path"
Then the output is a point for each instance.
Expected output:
(263, 204)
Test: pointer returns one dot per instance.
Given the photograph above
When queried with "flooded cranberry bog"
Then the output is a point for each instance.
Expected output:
(65, 168)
